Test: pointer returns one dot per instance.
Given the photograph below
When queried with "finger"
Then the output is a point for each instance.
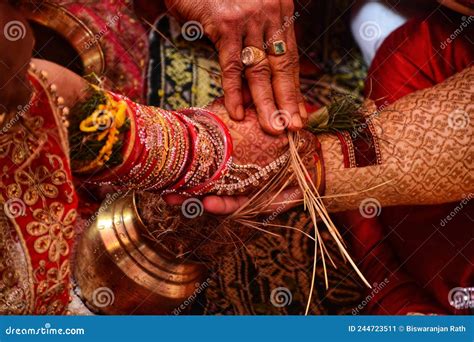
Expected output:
(223, 205)
(246, 95)
(173, 199)
(283, 69)
(259, 81)
(293, 48)
(229, 59)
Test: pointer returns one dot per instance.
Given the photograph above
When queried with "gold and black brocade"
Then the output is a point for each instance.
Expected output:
(249, 272)
(181, 74)
(247, 281)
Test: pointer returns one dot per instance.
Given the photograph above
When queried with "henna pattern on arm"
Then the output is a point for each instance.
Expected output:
(427, 148)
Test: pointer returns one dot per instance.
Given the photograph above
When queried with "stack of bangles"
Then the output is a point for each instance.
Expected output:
(187, 151)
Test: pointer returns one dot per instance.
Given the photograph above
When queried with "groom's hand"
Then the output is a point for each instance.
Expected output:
(233, 25)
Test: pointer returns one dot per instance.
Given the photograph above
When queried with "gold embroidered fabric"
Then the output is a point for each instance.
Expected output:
(16, 292)
(38, 198)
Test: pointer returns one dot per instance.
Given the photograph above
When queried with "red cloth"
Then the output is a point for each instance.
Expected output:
(394, 291)
(420, 54)
(123, 39)
(40, 202)
(422, 257)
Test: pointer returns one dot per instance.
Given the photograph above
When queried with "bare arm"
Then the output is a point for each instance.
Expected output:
(70, 86)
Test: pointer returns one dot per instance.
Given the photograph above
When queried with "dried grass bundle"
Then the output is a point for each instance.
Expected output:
(295, 170)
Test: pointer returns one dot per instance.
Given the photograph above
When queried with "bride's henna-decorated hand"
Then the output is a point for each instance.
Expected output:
(251, 146)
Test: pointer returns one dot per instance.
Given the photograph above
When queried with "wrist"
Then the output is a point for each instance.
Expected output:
(312, 157)
(331, 152)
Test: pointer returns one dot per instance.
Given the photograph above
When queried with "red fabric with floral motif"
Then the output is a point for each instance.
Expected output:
(39, 199)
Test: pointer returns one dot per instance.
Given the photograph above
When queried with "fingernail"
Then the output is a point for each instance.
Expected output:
(239, 113)
(297, 123)
(303, 112)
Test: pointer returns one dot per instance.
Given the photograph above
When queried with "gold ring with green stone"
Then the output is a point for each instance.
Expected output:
(277, 48)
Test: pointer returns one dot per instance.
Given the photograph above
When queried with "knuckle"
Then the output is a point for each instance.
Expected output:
(231, 94)
(272, 7)
(267, 102)
(289, 99)
(284, 66)
(212, 31)
(230, 17)
(232, 69)
(288, 6)
(231, 90)
(259, 71)
(253, 12)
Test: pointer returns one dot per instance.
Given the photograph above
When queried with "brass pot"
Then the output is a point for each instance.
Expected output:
(71, 28)
(120, 271)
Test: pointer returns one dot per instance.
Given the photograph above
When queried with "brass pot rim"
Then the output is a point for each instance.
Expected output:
(71, 28)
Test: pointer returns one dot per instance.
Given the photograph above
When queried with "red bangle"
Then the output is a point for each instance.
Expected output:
(192, 146)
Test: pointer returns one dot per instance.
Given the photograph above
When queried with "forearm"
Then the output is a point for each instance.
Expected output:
(115, 141)
(426, 147)
(69, 85)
